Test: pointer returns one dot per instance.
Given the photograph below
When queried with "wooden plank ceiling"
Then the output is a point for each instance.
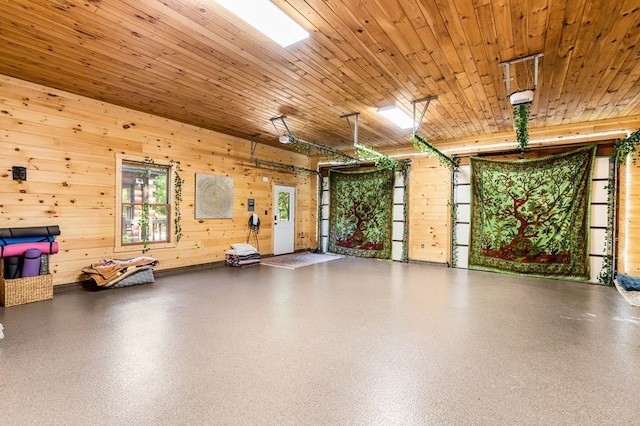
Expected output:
(192, 61)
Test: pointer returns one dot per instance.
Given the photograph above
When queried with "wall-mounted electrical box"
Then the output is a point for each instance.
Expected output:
(19, 173)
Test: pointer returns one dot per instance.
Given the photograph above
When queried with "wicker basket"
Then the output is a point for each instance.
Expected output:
(25, 290)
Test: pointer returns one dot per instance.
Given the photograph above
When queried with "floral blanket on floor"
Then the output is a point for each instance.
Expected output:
(360, 215)
(531, 217)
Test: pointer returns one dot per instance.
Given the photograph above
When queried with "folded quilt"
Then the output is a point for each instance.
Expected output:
(141, 275)
(628, 283)
(107, 271)
(244, 256)
(242, 252)
(250, 259)
(243, 247)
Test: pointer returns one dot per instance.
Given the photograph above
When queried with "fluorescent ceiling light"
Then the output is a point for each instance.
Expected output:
(399, 117)
(267, 18)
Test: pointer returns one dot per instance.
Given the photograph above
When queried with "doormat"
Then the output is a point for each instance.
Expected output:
(298, 260)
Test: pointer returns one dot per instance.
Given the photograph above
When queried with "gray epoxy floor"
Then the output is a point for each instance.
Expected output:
(347, 342)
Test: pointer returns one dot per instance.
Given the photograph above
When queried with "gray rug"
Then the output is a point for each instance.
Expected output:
(298, 260)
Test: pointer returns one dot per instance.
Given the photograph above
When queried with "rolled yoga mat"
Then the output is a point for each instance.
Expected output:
(19, 249)
(40, 239)
(33, 231)
(12, 267)
(31, 263)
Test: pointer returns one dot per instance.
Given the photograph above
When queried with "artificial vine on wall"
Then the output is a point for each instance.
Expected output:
(177, 197)
(626, 147)
(454, 218)
(606, 273)
(622, 149)
(177, 188)
(422, 145)
(521, 118)
(144, 226)
(144, 217)
(405, 211)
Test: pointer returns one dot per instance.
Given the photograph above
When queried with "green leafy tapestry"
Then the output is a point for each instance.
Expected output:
(360, 216)
(531, 217)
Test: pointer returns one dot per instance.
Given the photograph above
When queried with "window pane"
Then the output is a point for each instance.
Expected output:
(159, 188)
(158, 223)
(127, 193)
(159, 211)
(284, 204)
(127, 224)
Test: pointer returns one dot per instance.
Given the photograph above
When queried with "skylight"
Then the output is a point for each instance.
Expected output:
(267, 18)
(397, 116)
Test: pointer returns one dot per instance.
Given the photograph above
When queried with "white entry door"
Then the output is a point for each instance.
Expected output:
(283, 224)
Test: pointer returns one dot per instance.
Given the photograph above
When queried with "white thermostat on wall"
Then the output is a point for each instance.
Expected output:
(265, 179)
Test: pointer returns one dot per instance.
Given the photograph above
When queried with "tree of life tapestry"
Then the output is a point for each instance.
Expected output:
(360, 216)
(531, 217)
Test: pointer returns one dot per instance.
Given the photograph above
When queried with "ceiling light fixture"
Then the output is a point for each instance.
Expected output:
(286, 139)
(522, 96)
(397, 116)
(267, 18)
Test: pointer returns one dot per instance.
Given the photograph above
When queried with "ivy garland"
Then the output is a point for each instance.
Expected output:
(177, 185)
(606, 273)
(422, 145)
(144, 226)
(626, 147)
(622, 149)
(320, 218)
(330, 154)
(333, 156)
(405, 211)
(521, 117)
(379, 159)
(306, 150)
(454, 219)
(281, 166)
(177, 198)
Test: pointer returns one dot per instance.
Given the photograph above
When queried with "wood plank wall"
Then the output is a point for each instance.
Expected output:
(429, 238)
(628, 259)
(68, 144)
